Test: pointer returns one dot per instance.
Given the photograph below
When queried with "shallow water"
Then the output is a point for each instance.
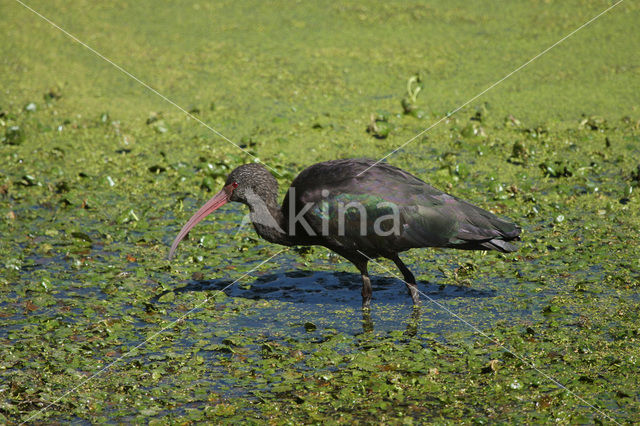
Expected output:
(101, 174)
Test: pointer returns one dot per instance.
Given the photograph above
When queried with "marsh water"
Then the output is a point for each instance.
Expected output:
(98, 173)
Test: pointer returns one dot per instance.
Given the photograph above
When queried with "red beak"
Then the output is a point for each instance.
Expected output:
(217, 201)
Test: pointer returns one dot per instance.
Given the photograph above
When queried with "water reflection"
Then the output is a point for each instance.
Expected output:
(412, 321)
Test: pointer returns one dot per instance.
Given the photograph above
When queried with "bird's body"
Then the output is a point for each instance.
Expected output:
(361, 210)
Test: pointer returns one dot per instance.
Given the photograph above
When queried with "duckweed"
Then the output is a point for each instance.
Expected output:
(97, 175)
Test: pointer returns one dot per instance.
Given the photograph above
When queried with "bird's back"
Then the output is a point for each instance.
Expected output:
(380, 210)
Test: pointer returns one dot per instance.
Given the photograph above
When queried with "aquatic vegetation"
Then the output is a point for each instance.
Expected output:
(379, 125)
(409, 102)
(97, 325)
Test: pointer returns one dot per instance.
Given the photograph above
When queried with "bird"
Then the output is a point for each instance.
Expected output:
(362, 210)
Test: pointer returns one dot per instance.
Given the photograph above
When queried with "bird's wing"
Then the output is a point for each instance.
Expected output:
(401, 210)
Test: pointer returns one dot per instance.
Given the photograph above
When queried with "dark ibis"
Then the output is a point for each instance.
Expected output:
(361, 210)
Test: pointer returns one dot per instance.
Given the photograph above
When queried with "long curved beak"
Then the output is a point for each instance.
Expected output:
(217, 201)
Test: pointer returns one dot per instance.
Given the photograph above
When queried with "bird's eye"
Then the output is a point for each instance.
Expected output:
(235, 184)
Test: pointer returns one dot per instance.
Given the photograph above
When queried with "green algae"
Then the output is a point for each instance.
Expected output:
(91, 199)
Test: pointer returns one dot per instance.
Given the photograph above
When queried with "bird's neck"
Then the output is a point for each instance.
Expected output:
(268, 220)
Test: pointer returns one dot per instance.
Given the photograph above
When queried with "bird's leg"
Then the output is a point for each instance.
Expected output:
(366, 291)
(366, 285)
(409, 279)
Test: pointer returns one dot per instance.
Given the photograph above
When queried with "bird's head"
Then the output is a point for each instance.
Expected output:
(246, 184)
(251, 180)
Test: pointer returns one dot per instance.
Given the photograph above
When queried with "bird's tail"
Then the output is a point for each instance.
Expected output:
(499, 245)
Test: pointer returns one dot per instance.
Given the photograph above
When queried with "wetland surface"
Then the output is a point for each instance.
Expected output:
(98, 174)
